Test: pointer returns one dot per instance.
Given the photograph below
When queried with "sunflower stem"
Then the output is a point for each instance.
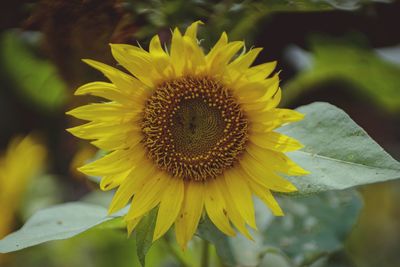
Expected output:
(178, 256)
(205, 254)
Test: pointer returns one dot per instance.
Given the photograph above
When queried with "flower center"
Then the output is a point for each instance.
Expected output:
(193, 128)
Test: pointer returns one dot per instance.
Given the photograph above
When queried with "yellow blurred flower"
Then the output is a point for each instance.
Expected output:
(22, 160)
(81, 157)
(188, 132)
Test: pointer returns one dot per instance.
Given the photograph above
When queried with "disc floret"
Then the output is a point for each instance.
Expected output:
(194, 128)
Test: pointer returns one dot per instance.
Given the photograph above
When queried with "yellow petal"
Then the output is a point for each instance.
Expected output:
(131, 224)
(254, 106)
(155, 47)
(275, 161)
(170, 205)
(160, 58)
(217, 64)
(222, 42)
(177, 47)
(275, 141)
(264, 177)
(148, 196)
(122, 80)
(266, 196)
(239, 190)
(119, 140)
(95, 130)
(132, 184)
(216, 208)
(231, 209)
(260, 72)
(105, 90)
(111, 181)
(137, 61)
(191, 31)
(264, 105)
(260, 91)
(274, 101)
(189, 216)
(243, 62)
(115, 162)
(194, 55)
(109, 111)
(275, 117)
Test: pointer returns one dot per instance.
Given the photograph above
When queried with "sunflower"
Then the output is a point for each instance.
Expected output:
(188, 132)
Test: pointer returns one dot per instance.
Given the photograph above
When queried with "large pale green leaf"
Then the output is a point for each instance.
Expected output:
(308, 232)
(56, 223)
(338, 153)
(366, 71)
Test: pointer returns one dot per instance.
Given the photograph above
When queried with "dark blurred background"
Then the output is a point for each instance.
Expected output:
(343, 52)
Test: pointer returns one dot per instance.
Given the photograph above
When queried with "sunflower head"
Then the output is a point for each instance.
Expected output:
(193, 128)
(189, 133)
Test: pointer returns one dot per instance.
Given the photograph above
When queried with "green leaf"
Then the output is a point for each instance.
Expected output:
(56, 223)
(309, 231)
(209, 232)
(314, 226)
(338, 153)
(35, 77)
(144, 235)
(341, 60)
(276, 260)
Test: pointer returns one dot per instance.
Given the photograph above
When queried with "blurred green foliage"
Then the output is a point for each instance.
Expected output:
(349, 61)
(35, 77)
(166, 14)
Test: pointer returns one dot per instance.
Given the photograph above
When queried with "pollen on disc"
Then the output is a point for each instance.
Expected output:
(194, 128)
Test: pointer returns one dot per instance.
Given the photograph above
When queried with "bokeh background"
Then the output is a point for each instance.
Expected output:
(343, 52)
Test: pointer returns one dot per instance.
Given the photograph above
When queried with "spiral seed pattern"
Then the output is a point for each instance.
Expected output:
(194, 128)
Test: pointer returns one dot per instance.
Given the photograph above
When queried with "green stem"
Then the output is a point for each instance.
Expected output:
(205, 254)
(178, 256)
